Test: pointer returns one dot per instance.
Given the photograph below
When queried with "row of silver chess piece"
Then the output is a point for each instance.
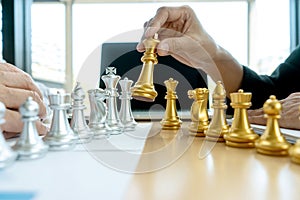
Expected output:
(104, 120)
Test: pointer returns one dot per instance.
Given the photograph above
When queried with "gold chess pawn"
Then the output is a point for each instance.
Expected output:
(272, 142)
(199, 115)
(240, 133)
(171, 120)
(144, 89)
(218, 125)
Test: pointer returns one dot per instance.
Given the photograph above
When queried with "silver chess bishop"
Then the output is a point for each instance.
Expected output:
(30, 145)
(7, 155)
(112, 119)
(125, 113)
(60, 136)
(78, 122)
(98, 112)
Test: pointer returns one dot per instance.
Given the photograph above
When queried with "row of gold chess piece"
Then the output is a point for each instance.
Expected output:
(239, 134)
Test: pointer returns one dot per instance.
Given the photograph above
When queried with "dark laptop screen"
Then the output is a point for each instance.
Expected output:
(127, 60)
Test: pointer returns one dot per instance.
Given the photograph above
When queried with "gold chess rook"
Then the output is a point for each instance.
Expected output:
(171, 120)
(199, 115)
(272, 142)
(294, 151)
(240, 133)
(144, 89)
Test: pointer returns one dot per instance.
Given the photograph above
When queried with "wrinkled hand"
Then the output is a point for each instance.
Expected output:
(16, 86)
(289, 115)
(181, 35)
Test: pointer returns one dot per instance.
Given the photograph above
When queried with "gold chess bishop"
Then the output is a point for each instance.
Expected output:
(171, 120)
(240, 133)
(144, 89)
(218, 125)
(199, 116)
(272, 142)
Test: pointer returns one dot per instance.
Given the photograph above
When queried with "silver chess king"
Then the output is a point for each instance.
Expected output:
(112, 119)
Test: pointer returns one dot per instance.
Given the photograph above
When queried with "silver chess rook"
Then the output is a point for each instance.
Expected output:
(30, 145)
(112, 119)
(98, 112)
(60, 136)
(125, 113)
(78, 123)
(7, 155)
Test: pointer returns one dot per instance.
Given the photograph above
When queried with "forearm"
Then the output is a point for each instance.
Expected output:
(230, 70)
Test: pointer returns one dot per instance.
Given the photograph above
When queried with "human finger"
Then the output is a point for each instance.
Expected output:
(21, 80)
(163, 16)
(13, 124)
(260, 119)
(14, 97)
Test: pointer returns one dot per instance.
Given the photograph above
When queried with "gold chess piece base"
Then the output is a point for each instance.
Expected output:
(241, 139)
(144, 92)
(197, 129)
(273, 148)
(171, 124)
(216, 135)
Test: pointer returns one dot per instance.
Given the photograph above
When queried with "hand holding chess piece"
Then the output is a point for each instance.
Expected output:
(171, 120)
(272, 142)
(218, 125)
(240, 133)
(144, 89)
(199, 114)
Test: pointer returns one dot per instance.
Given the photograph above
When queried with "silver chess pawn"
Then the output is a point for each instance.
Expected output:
(98, 112)
(78, 122)
(7, 155)
(112, 119)
(30, 145)
(60, 136)
(125, 113)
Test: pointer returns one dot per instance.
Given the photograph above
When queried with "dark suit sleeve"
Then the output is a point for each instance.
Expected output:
(282, 82)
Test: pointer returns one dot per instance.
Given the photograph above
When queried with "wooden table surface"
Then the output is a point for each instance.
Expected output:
(169, 165)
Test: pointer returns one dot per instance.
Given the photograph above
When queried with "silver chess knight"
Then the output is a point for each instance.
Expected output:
(30, 145)
(112, 119)
(98, 112)
(7, 155)
(125, 113)
(60, 136)
(78, 122)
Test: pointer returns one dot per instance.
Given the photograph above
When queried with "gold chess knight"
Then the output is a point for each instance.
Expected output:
(240, 133)
(171, 120)
(294, 151)
(272, 142)
(144, 89)
(218, 125)
(199, 115)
